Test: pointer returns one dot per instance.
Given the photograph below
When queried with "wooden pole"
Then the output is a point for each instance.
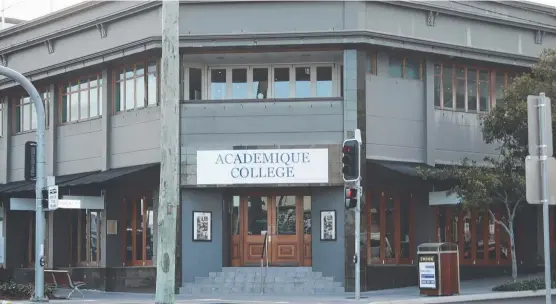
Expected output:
(169, 194)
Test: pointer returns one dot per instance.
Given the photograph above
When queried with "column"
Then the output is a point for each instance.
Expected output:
(106, 111)
(5, 140)
(430, 132)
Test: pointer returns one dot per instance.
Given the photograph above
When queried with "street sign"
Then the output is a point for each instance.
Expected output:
(69, 204)
(533, 179)
(53, 197)
(533, 125)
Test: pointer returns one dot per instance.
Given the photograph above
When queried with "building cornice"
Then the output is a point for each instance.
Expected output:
(143, 6)
(430, 6)
(285, 39)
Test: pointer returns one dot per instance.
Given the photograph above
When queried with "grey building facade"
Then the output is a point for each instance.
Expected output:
(269, 92)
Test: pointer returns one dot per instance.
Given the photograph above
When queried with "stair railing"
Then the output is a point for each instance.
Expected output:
(264, 258)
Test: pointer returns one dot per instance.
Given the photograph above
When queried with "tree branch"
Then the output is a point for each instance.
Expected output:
(514, 209)
(498, 221)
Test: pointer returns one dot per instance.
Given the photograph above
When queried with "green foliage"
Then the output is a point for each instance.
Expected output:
(497, 181)
(14, 291)
(531, 284)
(506, 124)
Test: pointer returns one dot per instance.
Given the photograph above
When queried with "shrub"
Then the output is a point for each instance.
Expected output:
(531, 284)
(13, 291)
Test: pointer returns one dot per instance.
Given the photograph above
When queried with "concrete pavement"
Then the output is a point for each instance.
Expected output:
(476, 291)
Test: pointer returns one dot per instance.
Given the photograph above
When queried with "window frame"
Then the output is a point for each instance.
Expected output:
(397, 195)
(117, 70)
(499, 233)
(507, 77)
(371, 64)
(61, 93)
(207, 72)
(17, 102)
(478, 69)
(404, 64)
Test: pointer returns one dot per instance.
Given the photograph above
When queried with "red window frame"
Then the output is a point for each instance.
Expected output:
(397, 242)
(469, 256)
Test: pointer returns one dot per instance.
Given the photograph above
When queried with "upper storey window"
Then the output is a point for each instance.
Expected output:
(136, 86)
(263, 82)
(81, 99)
(25, 115)
(501, 81)
(405, 67)
(462, 88)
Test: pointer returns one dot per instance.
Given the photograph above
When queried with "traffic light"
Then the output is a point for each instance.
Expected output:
(351, 198)
(350, 159)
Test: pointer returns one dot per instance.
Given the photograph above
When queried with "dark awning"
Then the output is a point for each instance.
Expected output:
(30, 186)
(404, 168)
(12, 186)
(104, 176)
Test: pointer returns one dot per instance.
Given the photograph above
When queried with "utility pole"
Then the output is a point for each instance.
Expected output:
(39, 213)
(169, 193)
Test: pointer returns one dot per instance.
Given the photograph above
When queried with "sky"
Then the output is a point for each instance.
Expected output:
(30, 9)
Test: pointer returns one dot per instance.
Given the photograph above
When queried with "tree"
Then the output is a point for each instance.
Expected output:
(502, 181)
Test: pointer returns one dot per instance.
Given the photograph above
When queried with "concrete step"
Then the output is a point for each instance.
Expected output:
(277, 280)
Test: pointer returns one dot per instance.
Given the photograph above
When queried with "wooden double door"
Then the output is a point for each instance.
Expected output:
(286, 220)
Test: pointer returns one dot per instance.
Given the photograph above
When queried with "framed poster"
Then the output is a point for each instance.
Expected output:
(328, 225)
(428, 273)
(202, 224)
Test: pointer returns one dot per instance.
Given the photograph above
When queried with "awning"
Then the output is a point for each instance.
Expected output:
(405, 168)
(30, 186)
(12, 185)
(104, 176)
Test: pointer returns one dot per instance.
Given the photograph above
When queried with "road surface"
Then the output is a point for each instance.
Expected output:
(535, 300)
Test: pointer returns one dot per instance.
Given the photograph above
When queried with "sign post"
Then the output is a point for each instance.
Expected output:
(540, 149)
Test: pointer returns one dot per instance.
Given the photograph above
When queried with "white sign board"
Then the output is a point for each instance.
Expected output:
(52, 197)
(427, 275)
(269, 166)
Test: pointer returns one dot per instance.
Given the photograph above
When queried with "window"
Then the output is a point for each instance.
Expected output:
(462, 88)
(391, 239)
(81, 99)
(263, 82)
(371, 63)
(402, 67)
(25, 114)
(479, 238)
(136, 86)
(138, 231)
(28, 260)
(85, 237)
(501, 82)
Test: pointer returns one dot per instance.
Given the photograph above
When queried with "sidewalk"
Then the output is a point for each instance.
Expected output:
(475, 290)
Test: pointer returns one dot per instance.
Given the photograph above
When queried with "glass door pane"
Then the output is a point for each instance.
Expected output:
(286, 223)
(149, 223)
(138, 233)
(257, 215)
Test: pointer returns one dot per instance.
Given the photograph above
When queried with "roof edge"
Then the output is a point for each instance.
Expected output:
(27, 25)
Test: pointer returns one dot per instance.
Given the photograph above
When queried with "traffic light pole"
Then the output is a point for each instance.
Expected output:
(39, 213)
(358, 240)
(358, 221)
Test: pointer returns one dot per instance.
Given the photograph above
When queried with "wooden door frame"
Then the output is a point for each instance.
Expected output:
(135, 202)
(304, 242)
